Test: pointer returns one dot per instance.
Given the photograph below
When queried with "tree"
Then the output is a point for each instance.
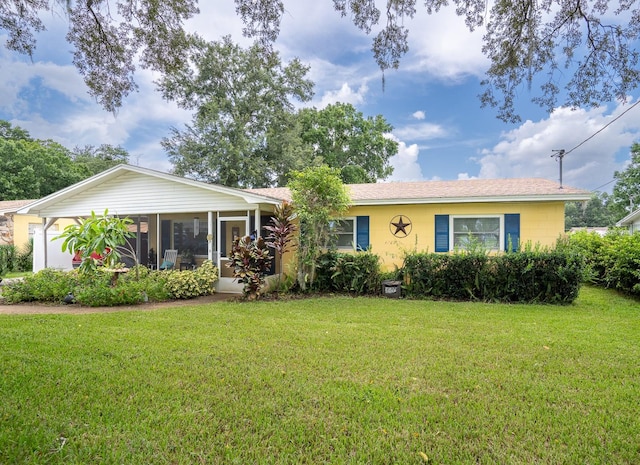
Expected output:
(108, 38)
(319, 197)
(95, 160)
(31, 169)
(341, 137)
(589, 46)
(237, 96)
(595, 213)
(626, 192)
(8, 132)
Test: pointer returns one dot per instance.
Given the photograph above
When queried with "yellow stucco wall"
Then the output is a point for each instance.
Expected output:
(540, 223)
(21, 227)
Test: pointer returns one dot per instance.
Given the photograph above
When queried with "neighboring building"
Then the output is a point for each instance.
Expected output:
(631, 221)
(390, 219)
(600, 231)
(16, 229)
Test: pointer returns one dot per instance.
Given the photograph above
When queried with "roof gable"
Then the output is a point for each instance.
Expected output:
(127, 190)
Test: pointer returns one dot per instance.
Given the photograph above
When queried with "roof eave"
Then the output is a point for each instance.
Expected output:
(491, 199)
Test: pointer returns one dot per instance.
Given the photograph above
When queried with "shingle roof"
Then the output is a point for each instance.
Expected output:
(11, 206)
(471, 190)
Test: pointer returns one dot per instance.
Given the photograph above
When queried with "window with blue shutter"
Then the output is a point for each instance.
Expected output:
(512, 231)
(442, 233)
(362, 233)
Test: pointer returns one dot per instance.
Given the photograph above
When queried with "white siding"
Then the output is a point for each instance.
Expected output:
(131, 193)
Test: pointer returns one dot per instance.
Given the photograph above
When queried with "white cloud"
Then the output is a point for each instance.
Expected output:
(527, 151)
(419, 115)
(444, 46)
(345, 95)
(405, 163)
(420, 132)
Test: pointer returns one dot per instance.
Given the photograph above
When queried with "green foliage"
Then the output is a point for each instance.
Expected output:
(357, 273)
(341, 137)
(95, 289)
(93, 160)
(238, 95)
(529, 276)
(612, 261)
(24, 258)
(31, 169)
(250, 261)
(7, 253)
(189, 284)
(318, 197)
(599, 211)
(106, 235)
(626, 191)
(46, 285)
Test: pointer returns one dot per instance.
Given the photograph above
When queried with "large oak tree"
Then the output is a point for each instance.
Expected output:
(589, 47)
(237, 95)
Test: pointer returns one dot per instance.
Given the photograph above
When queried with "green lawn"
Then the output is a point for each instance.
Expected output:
(327, 380)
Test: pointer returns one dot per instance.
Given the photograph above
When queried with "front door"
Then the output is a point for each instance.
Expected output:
(229, 229)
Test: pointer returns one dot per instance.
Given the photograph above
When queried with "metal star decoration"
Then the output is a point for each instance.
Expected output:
(402, 229)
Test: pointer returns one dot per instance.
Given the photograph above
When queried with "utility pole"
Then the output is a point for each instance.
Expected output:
(559, 155)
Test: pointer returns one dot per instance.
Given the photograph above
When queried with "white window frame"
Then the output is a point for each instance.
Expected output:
(452, 219)
(354, 236)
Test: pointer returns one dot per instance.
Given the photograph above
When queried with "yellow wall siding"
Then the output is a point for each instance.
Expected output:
(540, 223)
(21, 227)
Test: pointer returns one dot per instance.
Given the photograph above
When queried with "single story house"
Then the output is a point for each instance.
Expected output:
(631, 221)
(175, 213)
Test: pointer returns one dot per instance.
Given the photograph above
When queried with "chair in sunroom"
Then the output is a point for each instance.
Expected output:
(169, 259)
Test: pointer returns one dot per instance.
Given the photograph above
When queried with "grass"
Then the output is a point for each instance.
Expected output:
(326, 380)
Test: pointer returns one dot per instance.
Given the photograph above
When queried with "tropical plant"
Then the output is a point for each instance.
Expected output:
(105, 235)
(250, 261)
(281, 232)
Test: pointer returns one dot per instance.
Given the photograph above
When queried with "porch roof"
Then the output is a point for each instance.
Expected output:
(630, 219)
(131, 190)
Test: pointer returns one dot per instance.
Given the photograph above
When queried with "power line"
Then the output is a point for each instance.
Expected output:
(605, 184)
(559, 154)
(603, 128)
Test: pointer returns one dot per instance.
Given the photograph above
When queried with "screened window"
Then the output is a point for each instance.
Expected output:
(345, 233)
(481, 231)
(190, 235)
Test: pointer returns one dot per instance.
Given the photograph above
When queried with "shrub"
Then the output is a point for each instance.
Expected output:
(347, 272)
(94, 289)
(24, 257)
(611, 261)
(191, 283)
(250, 261)
(7, 258)
(47, 285)
(529, 276)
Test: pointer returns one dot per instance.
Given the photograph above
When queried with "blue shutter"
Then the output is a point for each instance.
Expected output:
(362, 233)
(442, 233)
(512, 231)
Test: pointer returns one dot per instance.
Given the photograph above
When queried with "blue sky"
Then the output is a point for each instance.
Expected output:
(431, 101)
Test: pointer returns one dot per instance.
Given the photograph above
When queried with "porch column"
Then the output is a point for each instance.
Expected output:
(210, 236)
(158, 243)
(46, 224)
(257, 221)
